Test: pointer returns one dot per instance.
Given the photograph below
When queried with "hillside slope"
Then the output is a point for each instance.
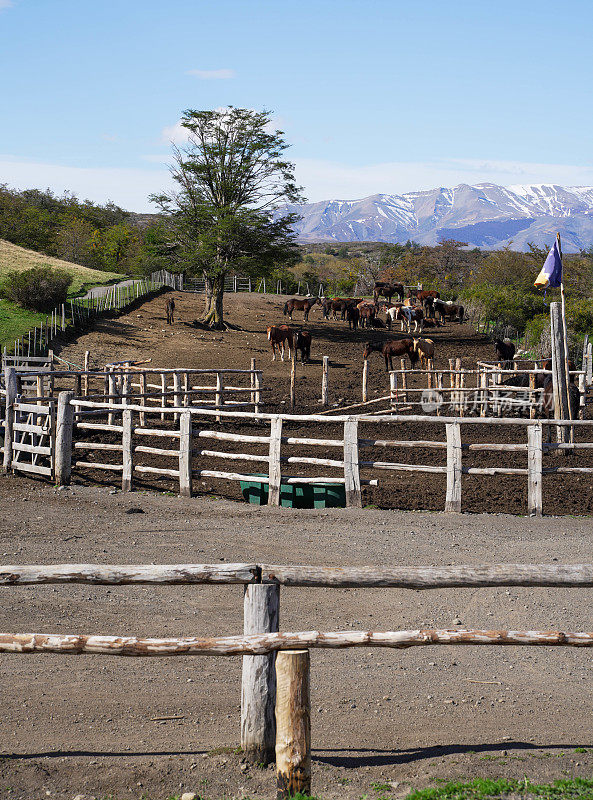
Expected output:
(13, 257)
(16, 321)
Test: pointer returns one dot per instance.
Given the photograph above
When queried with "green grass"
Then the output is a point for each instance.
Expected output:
(16, 321)
(481, 788)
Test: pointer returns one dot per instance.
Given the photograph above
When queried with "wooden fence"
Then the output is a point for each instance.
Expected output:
(79, 310)
(463, 392)
(186, 427)
(275, 697)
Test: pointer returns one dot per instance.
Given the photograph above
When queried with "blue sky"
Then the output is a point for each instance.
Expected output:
(373, 95)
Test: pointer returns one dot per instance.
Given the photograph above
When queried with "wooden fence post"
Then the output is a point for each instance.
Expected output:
(252, 381)
(293, 379)
(351, 469)
(532, 396)
(365, 380)
(393, 387)
(258, 383)
(261, 611)
(274, 472)
(63, 452)
(11, 385)
(185, 459)
(534, 466)
(404, 382)
(453, 498)
(293, 723)
(127, 461)
(589, 364)
(144, 400)
(325, 381)
(177, 394)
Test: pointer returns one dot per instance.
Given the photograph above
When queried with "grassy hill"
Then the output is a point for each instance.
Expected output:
(14, 320)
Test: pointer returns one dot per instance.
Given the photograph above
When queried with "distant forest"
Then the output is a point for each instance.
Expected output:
(103, 237)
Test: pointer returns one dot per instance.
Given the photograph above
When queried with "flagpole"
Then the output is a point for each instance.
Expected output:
(565, 334)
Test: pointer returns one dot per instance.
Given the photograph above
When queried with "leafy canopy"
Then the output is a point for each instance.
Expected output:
(230, 177)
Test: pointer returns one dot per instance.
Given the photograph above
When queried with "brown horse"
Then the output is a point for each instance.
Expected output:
(303, 343)
(385, 289)
(398, 348)
(304, 305)
(337, 304)
(367, 312)
(448, 311)
(282, 336)
(170, 309)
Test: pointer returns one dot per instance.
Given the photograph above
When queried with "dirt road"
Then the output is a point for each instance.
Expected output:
(88, 724)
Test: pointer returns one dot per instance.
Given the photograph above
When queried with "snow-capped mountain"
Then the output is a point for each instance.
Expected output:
(484, 215)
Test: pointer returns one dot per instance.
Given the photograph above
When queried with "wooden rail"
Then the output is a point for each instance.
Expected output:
(276, 665)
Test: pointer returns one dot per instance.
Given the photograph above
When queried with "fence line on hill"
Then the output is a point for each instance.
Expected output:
(79, 310)
(275, 696)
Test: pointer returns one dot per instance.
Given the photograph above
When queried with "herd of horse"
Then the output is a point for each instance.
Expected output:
(422, 308)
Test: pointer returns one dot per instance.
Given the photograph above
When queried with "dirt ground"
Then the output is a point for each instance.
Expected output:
(143, 333)
(382, 721)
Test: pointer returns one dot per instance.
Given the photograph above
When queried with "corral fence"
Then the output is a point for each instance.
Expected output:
(487, 391)
(275, 682)
(123, 425)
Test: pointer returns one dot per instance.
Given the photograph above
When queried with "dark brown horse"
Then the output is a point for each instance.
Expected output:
(170, 309)
(387, 290)
(392, 348)
(303, 344)
(449, 311)
(337, 304)
(304, 305)
(282, 336)
(505, 350)
(353, 317)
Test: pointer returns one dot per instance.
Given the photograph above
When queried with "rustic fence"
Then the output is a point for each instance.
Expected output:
(186, 428)
(275, 697)
(79, 311)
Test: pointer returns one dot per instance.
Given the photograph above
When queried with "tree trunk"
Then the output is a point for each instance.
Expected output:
(213, 314)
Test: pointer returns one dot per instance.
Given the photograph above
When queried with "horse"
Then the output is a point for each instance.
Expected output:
(505, 351)
(353, 317)
(391, 348)
(367, 314)
(170, 309)
(393, 313)
(336, 304)
(425, 349)
(449, 311)
(415, 315)
(282, 336)
(304, 305)
(303, 343)
(387, 290)
(547, 365)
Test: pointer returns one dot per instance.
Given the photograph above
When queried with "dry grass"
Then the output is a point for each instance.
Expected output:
(13, 257)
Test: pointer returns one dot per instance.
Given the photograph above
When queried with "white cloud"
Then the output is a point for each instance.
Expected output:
(128, 188)
(4, 4)
(212, 74)
(323, 180)
(175, 133)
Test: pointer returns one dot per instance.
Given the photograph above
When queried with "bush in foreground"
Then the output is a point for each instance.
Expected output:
(37, 289)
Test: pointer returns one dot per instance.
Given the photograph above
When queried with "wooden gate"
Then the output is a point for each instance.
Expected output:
(33, 438)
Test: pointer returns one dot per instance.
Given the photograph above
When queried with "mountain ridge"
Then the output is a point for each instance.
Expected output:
(485, 215)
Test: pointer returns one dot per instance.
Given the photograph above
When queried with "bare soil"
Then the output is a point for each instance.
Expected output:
(97, 725)
(143, 333)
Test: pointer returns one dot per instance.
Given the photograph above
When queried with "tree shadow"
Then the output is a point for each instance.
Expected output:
(354, 758)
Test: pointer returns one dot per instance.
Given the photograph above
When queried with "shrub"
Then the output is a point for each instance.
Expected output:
(37, 289)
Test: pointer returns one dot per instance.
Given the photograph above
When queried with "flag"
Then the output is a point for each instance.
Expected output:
(551, 272)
